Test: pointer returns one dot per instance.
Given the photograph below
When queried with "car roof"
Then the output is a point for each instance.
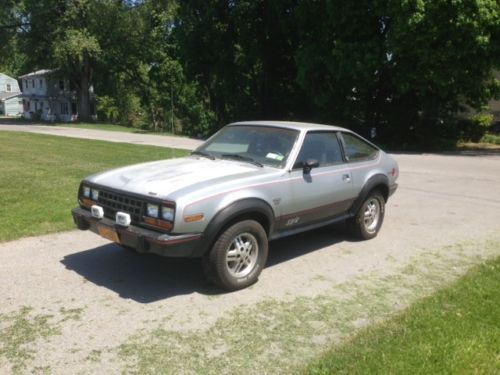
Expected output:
(291, 125)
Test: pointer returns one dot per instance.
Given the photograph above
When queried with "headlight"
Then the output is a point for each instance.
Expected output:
(86, 191)
(167, 213)
(95, 195)
(152, 210)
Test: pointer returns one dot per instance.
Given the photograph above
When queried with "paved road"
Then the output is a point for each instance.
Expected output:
(442, 201)
(110, 136)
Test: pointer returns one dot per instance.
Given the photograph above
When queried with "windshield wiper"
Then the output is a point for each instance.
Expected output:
(201, 153)
(242, 158)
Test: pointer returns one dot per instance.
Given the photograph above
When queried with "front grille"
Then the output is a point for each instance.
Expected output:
(113, 202)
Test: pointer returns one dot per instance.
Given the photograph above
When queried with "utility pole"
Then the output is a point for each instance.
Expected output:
(172, 106)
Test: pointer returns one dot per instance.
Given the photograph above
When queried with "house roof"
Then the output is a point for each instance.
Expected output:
(5, 75)
(41, 72)
(8, 95)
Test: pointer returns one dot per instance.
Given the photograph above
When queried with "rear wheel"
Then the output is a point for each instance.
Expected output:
(368, 220)
(237, 256)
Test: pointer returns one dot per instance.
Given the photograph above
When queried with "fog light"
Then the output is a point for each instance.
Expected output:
(123, 219)
(97, 212)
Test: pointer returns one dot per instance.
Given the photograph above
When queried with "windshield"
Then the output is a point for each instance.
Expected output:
(260, 145)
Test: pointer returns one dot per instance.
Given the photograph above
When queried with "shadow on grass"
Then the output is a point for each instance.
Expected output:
(147, 278)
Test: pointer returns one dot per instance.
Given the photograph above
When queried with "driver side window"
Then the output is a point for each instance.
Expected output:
(321, 146)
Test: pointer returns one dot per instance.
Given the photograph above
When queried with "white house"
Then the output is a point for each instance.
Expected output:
(49, 96)
(10, 96)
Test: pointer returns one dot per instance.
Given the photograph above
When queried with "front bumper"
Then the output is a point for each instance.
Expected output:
(141, 239)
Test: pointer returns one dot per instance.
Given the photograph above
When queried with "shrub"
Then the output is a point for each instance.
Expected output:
(491, 138)
(480, 124)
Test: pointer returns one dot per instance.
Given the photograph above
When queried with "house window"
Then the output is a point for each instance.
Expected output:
(33, 83)
(61, 84)
(25, 83)
(64, 108)
(8, 87)
(41, 83)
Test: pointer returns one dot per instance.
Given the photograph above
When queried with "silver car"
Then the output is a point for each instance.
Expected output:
(250, 183)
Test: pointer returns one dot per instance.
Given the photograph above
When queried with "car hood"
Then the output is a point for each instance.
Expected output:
(162, 178)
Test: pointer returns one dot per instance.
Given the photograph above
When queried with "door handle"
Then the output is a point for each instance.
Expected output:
(346, 177)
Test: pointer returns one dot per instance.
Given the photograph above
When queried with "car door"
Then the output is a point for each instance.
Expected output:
(322, 193)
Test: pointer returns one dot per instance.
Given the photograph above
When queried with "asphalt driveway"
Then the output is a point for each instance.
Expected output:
(103, 135)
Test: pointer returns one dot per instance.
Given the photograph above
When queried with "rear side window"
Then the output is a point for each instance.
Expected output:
(321, 146)
(356, 149)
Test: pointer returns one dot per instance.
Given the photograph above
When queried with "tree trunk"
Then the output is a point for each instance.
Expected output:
(83, 94)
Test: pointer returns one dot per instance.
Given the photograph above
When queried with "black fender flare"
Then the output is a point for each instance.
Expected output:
(247, 208)
(378, 180)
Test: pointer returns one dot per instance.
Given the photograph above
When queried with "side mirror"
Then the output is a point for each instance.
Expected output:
(308, 165)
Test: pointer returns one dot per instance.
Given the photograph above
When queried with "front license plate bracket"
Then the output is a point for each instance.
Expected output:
(108, 233)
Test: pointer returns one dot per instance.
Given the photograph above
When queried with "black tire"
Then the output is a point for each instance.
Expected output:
(362, 226)
(238, 256)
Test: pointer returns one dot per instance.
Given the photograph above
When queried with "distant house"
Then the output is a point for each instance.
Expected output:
(10, 96)
(49, 96)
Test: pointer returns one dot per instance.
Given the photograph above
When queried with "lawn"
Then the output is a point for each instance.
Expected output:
(110, 127)
(455, 331)
(83, 125)
(101, 126)
(40, 175)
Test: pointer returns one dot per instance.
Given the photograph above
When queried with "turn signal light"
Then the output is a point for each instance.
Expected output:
(87, 202)
(193, 218)
(157, 223)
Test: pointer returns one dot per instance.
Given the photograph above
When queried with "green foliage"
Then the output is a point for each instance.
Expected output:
(452, 332)
(401, 66)
(406, 67)
(490, 138)
(75, 47)
(482, 120)
(471, 130)
(107, 109)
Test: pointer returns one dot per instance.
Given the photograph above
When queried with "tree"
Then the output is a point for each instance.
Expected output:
(402, 64)
(241, 53)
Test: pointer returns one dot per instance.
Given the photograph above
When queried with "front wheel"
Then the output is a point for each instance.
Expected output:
(368, 220)
(237, 256)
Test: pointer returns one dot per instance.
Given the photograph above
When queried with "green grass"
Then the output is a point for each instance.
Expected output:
(101, 126)
(455, 331)
(40, 174)
(109, 127)
(84, 125)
